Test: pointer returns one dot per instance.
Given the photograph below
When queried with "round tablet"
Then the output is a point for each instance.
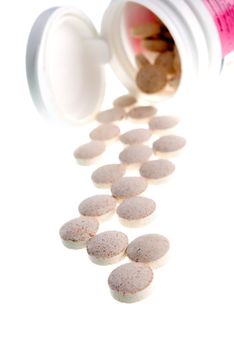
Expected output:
(157, 170)
(125, 101)
(107, 247)
(136, 211)
(151, 79)
(169, 145)
(89, 152)
(105, 133)
(142, 113)
(136, 136)
(131, 282)
(128, 187)
(111, 115)
(107, 174)
(163, 124)
(135, 155)
(149, 249)
(100, 206)
(75, 233)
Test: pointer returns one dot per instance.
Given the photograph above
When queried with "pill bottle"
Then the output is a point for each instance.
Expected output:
(66, 55)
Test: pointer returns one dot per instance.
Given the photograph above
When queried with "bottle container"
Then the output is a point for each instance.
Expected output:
(66, 56)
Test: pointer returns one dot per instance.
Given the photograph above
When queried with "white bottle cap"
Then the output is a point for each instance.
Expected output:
(65, 58)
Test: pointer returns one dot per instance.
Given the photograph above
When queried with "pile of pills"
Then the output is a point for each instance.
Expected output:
(131, 281)
(158, 63)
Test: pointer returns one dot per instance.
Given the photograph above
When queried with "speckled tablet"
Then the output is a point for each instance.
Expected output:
(106, 133)
(130, 186)
(163, 124)
(142, 113)
(151, 79)
(136, 136)
(89, 153)
(157, 170)
(107, 247)
(125, 101)
(107, 174)
(100, 206)
(169, 145)
(136, 211)
(135, 155)
(111, 115)
(149, 249)
(75, 233)
(131, 282)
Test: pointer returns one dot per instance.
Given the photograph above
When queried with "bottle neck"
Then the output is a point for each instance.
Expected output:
(192, 37)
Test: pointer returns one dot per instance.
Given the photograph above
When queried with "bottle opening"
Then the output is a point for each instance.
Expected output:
(151, 50)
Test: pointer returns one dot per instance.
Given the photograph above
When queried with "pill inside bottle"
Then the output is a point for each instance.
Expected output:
(151, 50)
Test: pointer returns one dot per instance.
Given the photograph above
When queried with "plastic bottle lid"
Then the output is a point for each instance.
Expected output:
(65, 58)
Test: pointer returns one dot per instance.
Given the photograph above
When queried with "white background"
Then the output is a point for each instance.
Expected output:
(55, 298)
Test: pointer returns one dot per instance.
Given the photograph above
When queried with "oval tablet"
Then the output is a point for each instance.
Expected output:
(136, 136)
(169, 145)
(107, 247)
(136, 211)
(89, 152)
(107, 174)
(151, 79)
(145, 30)
(105, 133)
(142, 113)
(157, 170)
(155, 45)
(135, 155)
(128, 187)
(111, 115)
(149, 249)
(75, 233)
(131, 282)
(125, 101)
(98, 206)
(163, 124)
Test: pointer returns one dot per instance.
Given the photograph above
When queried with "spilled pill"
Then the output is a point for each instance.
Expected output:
(106, 133)
(130, 186)
(163, 123)
(136, 211)
(99, 206)
(89, 153)
(136, 136)
(151, 249)
(131, 282)
(157, 170)
(169, 145)
(107, 174)
(125, 101)
(107, 247)
(135, 155)
(111, 115)
(142, 113)
(75, 233)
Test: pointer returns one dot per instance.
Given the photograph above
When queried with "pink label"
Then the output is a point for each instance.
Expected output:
(223, 14)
